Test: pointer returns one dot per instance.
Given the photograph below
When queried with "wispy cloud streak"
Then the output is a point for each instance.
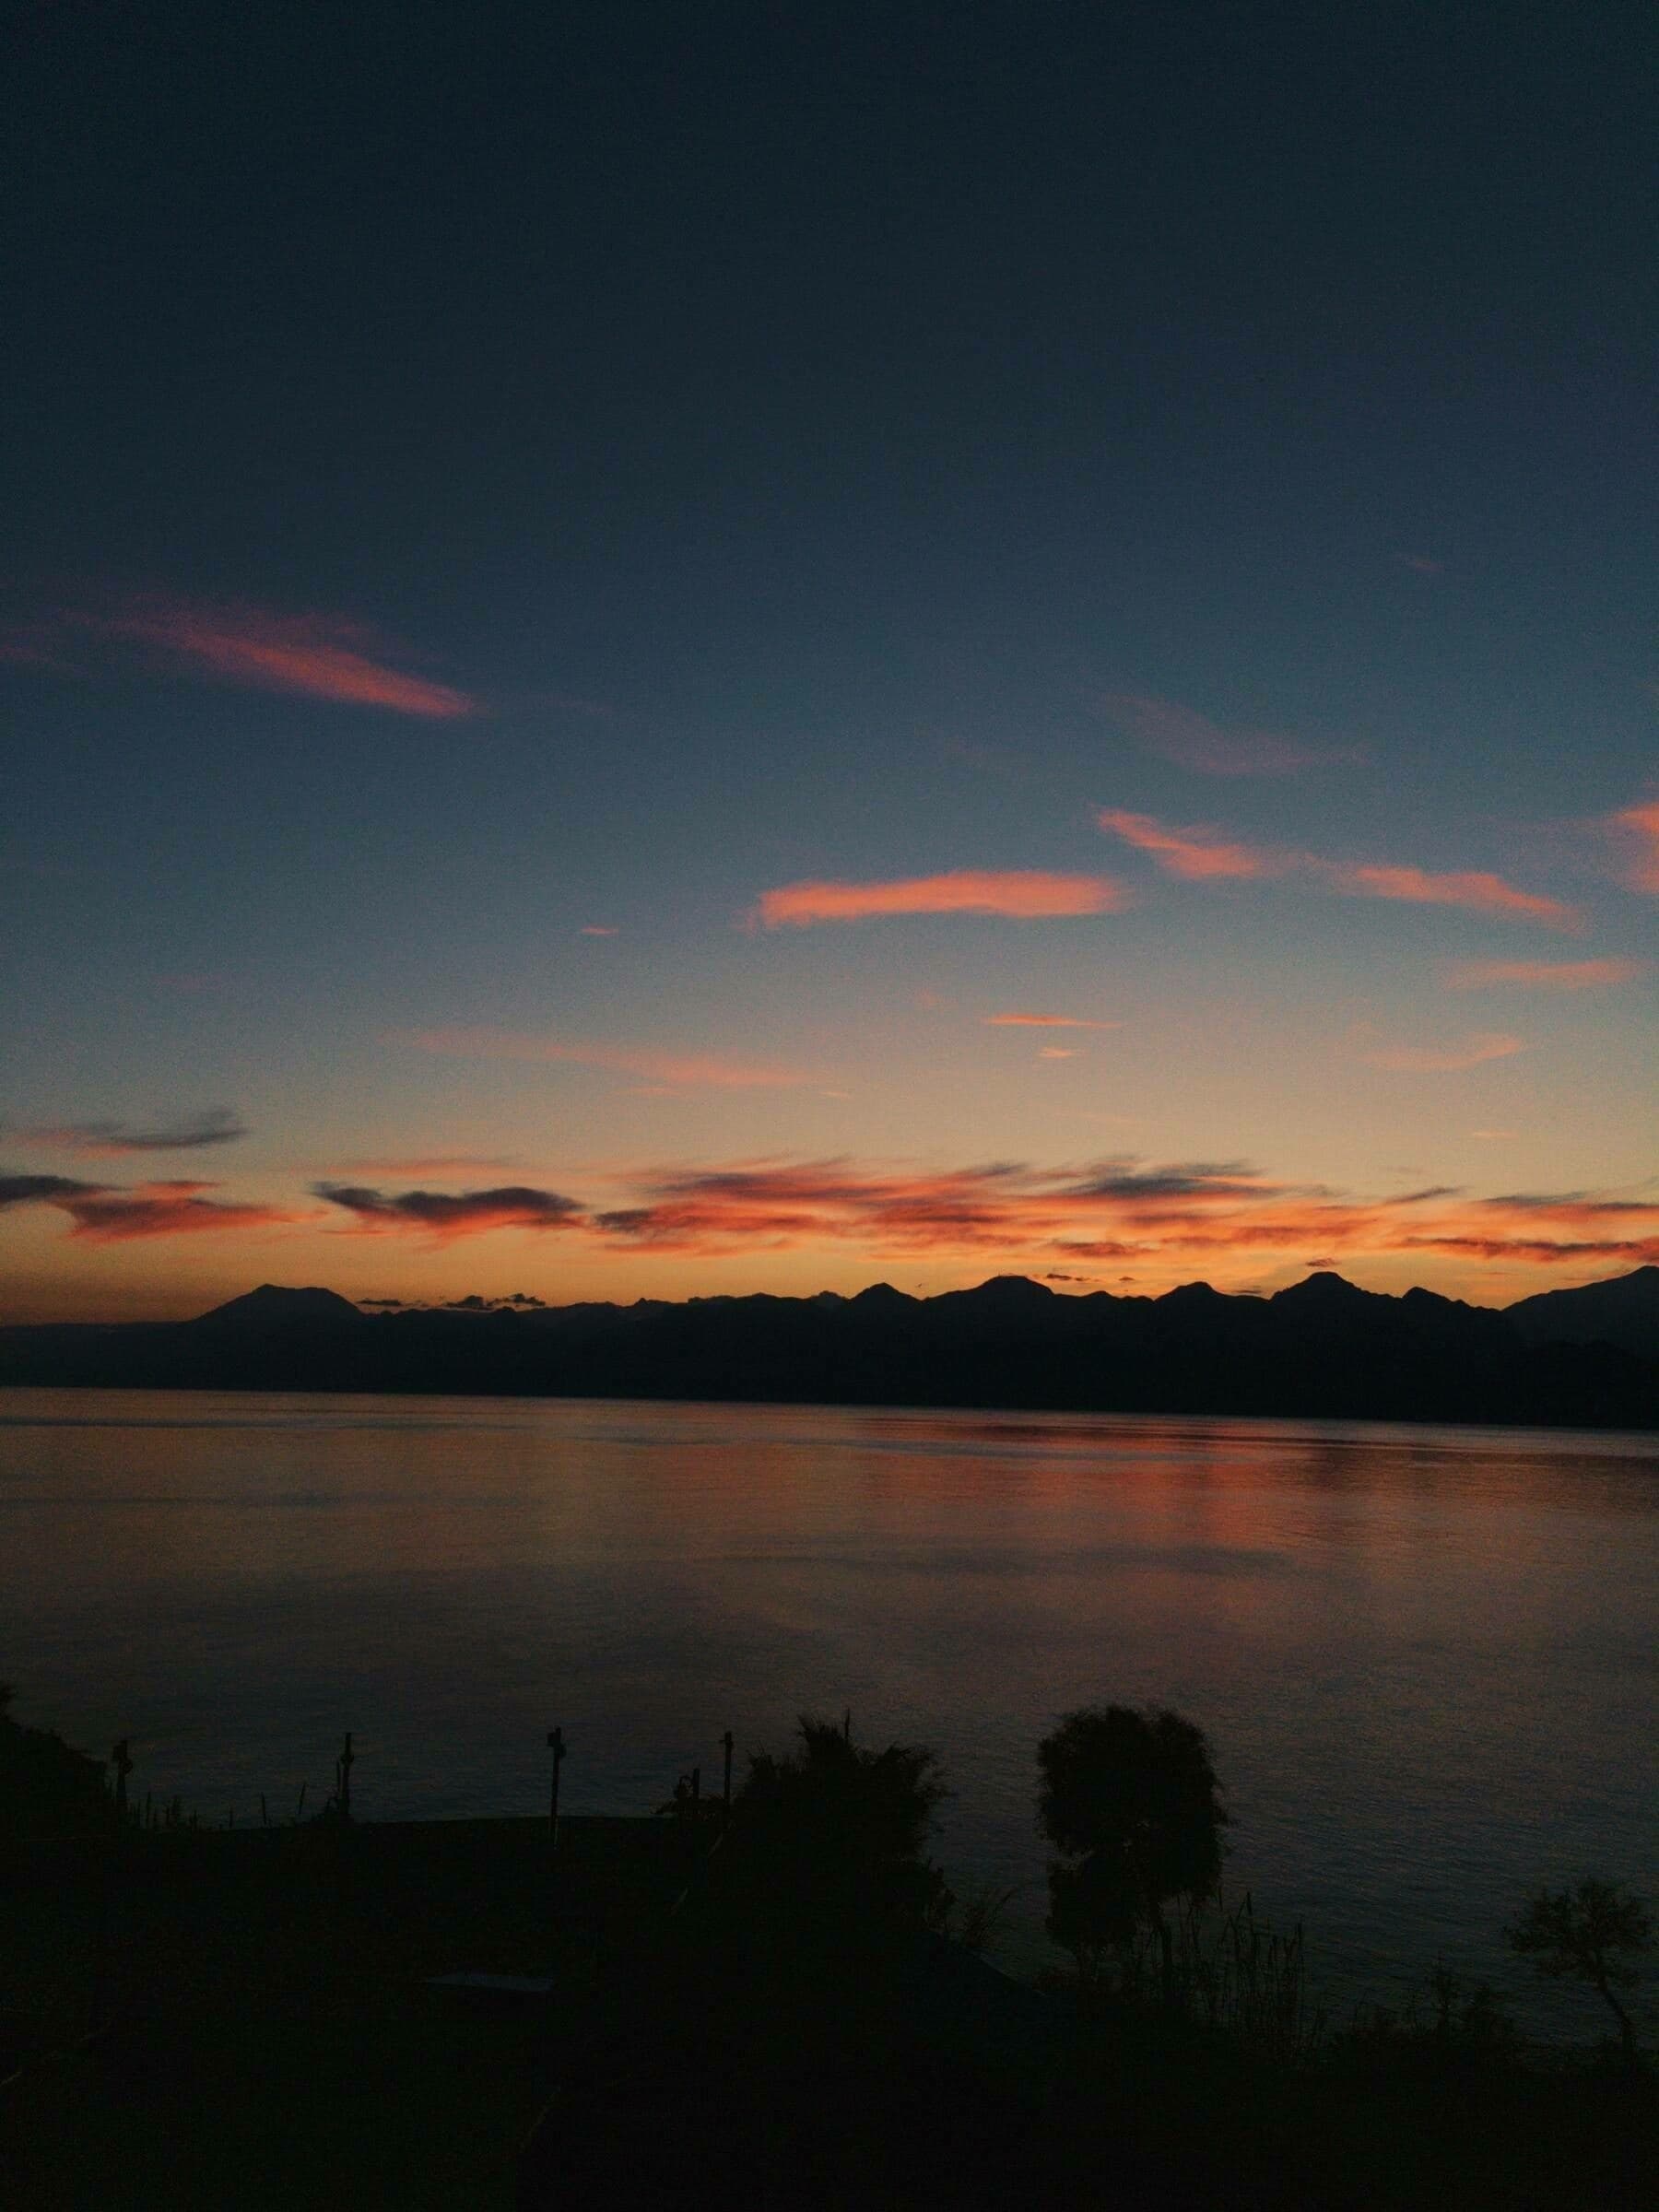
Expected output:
(318, 656)
(1541, 975)
(1472, 887)
(1204, 853)
(1043, 1021)
(1196, 852)
(1017, 894)
(1635, 832)
(671, 1070)
(1190, 741)
(111, 1139)
(1428, 1060)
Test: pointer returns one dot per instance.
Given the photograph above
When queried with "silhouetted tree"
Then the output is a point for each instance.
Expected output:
(849, 1825)
(1594, 1934)
(1131, 1799)
(47, 1788)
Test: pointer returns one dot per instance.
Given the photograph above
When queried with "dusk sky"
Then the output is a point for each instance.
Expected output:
(650, 651)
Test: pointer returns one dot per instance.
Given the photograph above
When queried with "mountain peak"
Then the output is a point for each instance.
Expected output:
(272, 1304)
(1324, 1287)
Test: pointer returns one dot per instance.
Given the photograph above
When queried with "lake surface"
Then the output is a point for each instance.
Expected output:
(1427, 1659)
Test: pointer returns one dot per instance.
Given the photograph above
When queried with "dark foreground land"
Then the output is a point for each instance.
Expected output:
(274, 2040)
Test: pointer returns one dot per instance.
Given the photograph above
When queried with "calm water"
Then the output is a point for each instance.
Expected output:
(1427, 1659)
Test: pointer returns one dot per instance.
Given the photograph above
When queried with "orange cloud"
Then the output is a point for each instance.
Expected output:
(1545, 975)
(321, 656)
(1635, 832)
(1472, 888)
(1191, 741)
(1119, 1208)
(1204, 853)
(1196, 852)
(103, 1215)
(1056, 1052)
(1445, 1059)
(1043, 1021)
(1021, 894)
(693, 1071)
(1227, 1216)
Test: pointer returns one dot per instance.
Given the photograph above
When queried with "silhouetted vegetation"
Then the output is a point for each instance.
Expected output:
(1595, 1934)
(1132, 1799)
(769, 2007)
(842, 1831)
(47, 1788)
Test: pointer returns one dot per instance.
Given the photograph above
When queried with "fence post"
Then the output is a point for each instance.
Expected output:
(343, 1779)
(555, 1744)
(726, 1793)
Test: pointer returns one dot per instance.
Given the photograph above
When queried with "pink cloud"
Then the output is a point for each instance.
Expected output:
(1119, 1208)
(1043, 1021)
(1544, 975)
(1171, 1219)
(1472, 888)
(1196, 852)
(1056, 1052)
(1205, 854)
(1021, 894)
(319, 657)
(597, 929)
(1445, 1059)
(1191, 741)
(1635, 832)
(701, 1071)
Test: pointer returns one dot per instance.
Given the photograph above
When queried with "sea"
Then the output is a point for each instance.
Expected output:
(1426, 1659)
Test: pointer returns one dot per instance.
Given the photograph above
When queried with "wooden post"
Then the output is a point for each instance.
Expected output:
(726, 1793)
(847, 1725)
(343, 1779)
(555, 1744)
(123, 1764)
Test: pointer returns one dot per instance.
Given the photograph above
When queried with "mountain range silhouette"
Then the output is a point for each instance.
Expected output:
(1584, 1357)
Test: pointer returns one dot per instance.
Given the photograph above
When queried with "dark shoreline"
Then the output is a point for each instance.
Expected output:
(1322, 1350)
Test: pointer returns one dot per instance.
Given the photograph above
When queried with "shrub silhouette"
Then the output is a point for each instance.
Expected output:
(46, 1787)
(1131, 1799)
(842, 1829)
(1593, 1934)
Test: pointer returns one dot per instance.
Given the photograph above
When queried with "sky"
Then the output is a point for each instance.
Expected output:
(658, 652)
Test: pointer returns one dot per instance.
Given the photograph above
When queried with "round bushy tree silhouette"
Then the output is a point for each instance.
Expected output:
(1131, 1799)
